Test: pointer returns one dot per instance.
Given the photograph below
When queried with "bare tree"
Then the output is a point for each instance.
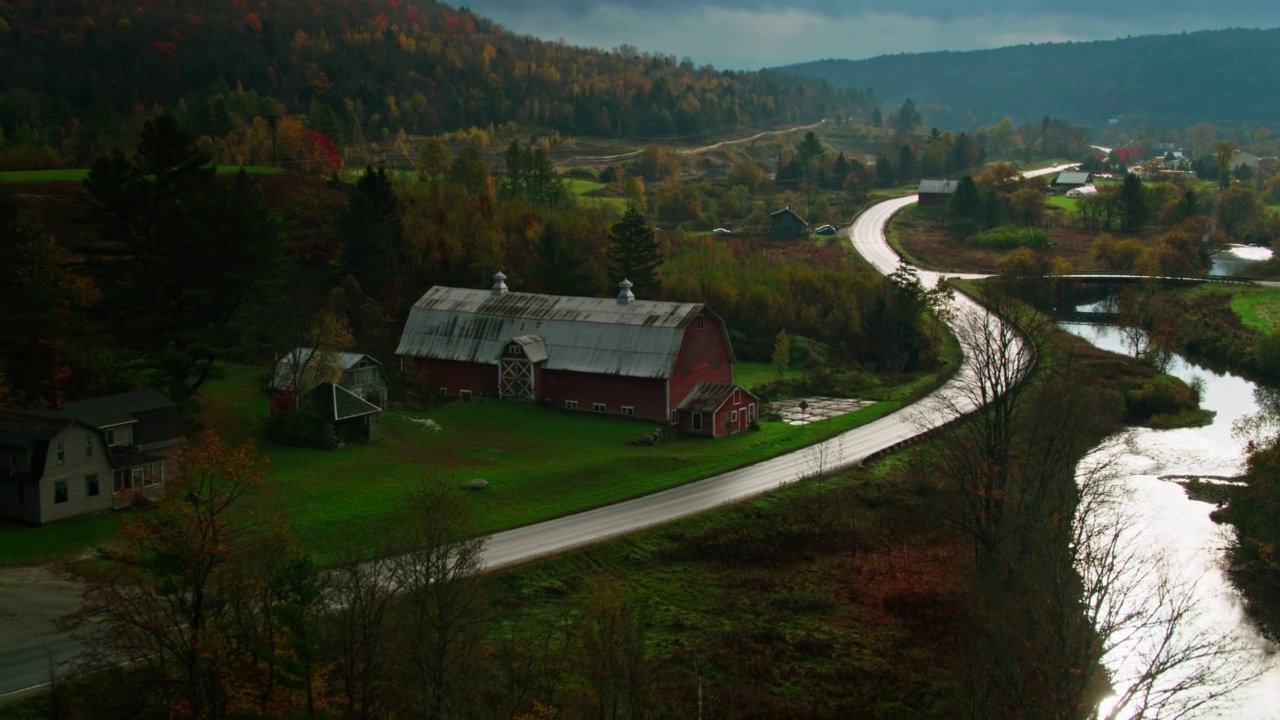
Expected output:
(1066, 610)
(445, 608)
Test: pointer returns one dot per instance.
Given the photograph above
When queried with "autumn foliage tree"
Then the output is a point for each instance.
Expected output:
(207, 597)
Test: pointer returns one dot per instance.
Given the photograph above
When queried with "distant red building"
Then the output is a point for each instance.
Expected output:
(623, 356)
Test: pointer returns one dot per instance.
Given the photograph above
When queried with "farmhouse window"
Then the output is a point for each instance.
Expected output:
(59, 492)
(597, 407)
(697, 421)
(733, 416)
(628, 410)
(675, 416)
(88, 446)
(91, 485)
(444, 392)
(570, 404)
(751, 413)
(464, 393)
(701, 321)
(62, 453)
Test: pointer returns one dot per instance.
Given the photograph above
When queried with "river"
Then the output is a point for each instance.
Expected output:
(1179, 528)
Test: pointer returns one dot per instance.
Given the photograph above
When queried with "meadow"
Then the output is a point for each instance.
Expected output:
(539, 463)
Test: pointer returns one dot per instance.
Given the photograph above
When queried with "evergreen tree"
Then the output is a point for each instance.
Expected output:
(885, 175)
(967, 201)
(560, 268)
(635, 254)
(373, 236)
(1133, 203)
(183, 293)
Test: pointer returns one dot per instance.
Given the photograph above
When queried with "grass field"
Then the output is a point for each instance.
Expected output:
(79, 174)
(539, 464)
(1258, 308)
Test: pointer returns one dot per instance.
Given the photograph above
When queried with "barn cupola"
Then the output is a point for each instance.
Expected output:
(499, 285)
(624, 293)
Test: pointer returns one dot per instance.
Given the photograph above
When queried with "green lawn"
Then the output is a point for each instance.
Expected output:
(540, 463)
(1062, 201)
(1258, 308)
(754, 374)
(79, 174)
(581, 187)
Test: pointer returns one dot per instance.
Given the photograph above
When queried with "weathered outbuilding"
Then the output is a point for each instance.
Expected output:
(936, 192)
(786, 223)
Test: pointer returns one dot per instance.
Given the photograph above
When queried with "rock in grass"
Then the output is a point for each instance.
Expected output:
(477, 484)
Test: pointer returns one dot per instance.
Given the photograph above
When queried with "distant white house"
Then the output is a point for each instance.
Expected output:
(1082, 191)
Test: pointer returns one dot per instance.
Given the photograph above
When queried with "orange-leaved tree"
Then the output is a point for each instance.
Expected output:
(205, 598)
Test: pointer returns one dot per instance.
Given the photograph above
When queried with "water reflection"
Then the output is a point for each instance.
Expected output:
(1236, 259)
(1180, 526)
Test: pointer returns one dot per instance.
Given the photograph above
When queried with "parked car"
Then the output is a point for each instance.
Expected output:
(722, 231)
(825, 230)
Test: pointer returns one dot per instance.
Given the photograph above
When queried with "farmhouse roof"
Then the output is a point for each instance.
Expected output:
(938, 187)
(787, 211)
(284, 375)
(155, 418)
(597, 335)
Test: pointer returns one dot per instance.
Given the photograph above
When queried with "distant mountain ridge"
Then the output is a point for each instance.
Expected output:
(1214, 75)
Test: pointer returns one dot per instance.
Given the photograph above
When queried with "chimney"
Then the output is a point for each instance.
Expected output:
(624, 293)
(499, 287)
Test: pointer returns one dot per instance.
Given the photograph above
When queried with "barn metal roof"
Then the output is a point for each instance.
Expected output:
(638, 338)
(938, 187)
(1073, 178)
(284, 375)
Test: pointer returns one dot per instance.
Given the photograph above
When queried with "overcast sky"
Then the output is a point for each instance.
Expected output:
(751, 34)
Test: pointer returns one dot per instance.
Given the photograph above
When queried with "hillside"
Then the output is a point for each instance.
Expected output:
(1216, 76)
(78, 77)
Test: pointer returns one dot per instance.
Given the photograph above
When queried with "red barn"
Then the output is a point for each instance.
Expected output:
(620, 356)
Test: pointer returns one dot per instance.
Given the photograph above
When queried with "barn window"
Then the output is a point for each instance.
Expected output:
(737, 396)
(751, 413)
(597, 407)
(675, 416)
(91, 485)
(61, 452)
(701, 321)
(628, 410)
(444, 392)
(733, 416)
(464, 393)
(697, 421)
(513, 349)
(570, 404)
(59, 492)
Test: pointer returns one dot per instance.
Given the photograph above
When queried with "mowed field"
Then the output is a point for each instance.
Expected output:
(539, 463)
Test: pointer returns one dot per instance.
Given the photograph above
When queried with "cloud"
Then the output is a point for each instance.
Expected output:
(750, 34)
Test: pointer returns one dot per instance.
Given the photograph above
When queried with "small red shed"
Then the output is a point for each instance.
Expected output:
(717, 409)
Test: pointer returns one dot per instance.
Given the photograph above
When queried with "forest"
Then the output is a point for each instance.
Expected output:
(1221, 76)
(357, 71)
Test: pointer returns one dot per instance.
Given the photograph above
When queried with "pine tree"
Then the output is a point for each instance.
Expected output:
(560, 268)
(635, 254)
